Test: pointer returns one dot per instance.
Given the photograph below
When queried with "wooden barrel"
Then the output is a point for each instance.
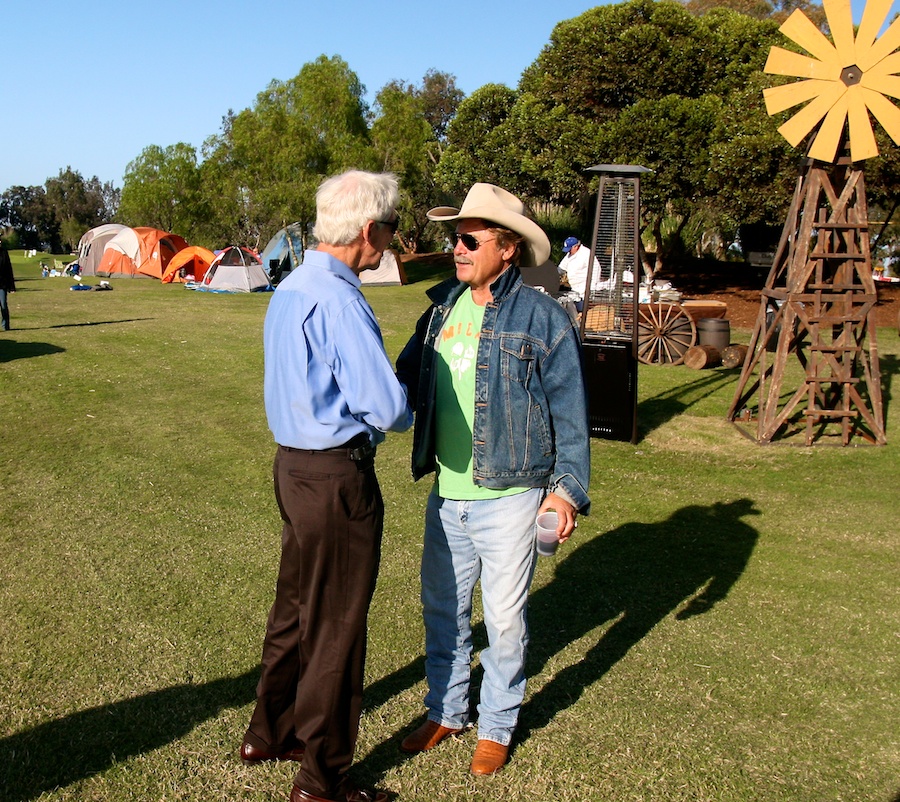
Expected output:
(698, 357)
(715, 332)
(734, 355)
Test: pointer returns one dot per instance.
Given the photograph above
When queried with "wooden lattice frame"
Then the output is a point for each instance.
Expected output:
(817, 304)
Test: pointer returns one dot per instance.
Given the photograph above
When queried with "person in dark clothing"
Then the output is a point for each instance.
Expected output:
(7, 285)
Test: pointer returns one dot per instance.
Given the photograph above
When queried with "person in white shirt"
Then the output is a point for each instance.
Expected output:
(575, 265)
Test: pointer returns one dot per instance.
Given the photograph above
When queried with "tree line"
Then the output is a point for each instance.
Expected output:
(675, 87)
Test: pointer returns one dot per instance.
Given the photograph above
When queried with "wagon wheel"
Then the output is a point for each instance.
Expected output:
(665, 332)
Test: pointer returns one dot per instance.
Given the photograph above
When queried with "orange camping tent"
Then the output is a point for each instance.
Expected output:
(192, 261)
(139, 251)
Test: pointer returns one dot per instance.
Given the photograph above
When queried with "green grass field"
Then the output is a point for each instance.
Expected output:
(725, 625)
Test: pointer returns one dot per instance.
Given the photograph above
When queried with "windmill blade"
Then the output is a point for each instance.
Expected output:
(785, 62)
(886, 84)
(862, 138)
(827, 139)
(808, 117)
(799, 29)
(889, 65)
(874, 14)
(840, 22)
(779, 98)
(886, 44)
(884, 111)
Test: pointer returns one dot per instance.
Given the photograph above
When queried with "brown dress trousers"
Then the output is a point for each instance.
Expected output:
(314, 651)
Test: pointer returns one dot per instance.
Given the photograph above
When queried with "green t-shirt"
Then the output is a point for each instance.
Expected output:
(457, 350)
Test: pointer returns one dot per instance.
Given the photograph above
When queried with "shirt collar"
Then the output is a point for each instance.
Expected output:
(327, 262)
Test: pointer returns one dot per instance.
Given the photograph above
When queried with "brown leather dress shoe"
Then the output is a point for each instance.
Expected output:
(426, 737)
(251, 755)
(489, 757)
(348, 795)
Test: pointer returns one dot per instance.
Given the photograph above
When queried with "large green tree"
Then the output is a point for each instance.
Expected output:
(262, 171)
(26, 215)
(409, 135)
(642, 82)
(54, 216)
(476, 148)
(162, 190)
(77, 205)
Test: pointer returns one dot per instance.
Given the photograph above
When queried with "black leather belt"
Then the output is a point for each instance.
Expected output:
(358, 449)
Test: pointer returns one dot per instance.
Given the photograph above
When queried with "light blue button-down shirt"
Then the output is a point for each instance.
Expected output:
(327, 376)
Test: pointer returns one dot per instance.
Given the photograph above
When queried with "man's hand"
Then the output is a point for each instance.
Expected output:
(564, 511)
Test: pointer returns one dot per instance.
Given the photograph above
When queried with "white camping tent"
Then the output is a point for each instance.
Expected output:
(389, 272)
(235, 269)
(92, 244)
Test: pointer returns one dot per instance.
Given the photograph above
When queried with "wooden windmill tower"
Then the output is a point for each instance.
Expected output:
(812, 371)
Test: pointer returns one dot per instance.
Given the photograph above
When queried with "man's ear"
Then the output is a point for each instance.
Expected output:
(508, 252)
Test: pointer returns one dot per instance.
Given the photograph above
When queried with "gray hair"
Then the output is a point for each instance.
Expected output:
(346, 202)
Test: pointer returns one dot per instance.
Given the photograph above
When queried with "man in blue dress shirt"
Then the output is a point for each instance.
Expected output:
(330, 394)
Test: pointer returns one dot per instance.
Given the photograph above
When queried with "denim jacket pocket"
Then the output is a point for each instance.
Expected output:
(516, 358)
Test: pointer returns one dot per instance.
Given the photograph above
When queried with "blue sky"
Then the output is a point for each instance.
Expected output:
(90, 85)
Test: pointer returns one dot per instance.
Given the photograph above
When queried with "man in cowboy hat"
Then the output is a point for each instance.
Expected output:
(494, 374)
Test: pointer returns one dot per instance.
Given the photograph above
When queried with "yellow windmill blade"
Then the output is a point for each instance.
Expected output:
(886, 84)
(886, 44)
(840, 21)
(795, 129)
(874, 15)
(825, 145)
(889, 65)
(862, 137)
(885, 112)
(842, 80)
(798, 28)
(786, 62)
(786, 96)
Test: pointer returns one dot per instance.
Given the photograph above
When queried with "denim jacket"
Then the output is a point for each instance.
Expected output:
(531, 420)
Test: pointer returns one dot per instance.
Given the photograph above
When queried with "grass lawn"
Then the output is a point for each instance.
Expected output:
(725, 625)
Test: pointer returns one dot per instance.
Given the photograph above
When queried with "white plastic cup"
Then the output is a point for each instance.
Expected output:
(547, 540)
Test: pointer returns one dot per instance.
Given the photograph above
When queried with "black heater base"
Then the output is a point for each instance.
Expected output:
(610, 373)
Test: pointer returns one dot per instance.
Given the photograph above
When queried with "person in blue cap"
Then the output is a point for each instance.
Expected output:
(575, 266)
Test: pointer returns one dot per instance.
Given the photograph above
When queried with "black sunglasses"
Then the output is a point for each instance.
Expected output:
(469, 241)
(393, 225)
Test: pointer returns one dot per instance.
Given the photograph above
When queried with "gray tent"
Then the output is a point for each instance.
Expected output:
(91, 245)
(283, 253)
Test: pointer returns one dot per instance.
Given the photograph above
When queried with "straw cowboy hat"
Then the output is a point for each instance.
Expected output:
(495, 205)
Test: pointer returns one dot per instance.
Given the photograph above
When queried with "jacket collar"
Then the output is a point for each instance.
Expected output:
(448, 291)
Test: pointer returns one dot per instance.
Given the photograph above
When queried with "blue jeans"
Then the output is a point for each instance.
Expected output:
(493, 540)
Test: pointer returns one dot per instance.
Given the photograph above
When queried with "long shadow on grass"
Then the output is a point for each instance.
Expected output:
(98, 323)
(10, 350)
(58, 753)
(654, 412)
(890, 367)
(613, 590)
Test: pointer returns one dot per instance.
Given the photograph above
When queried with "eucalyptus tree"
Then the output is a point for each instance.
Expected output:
(162, 189)
(262, 171)
(409, 133)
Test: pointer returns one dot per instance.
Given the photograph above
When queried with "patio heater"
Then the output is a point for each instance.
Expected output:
(608, 325)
